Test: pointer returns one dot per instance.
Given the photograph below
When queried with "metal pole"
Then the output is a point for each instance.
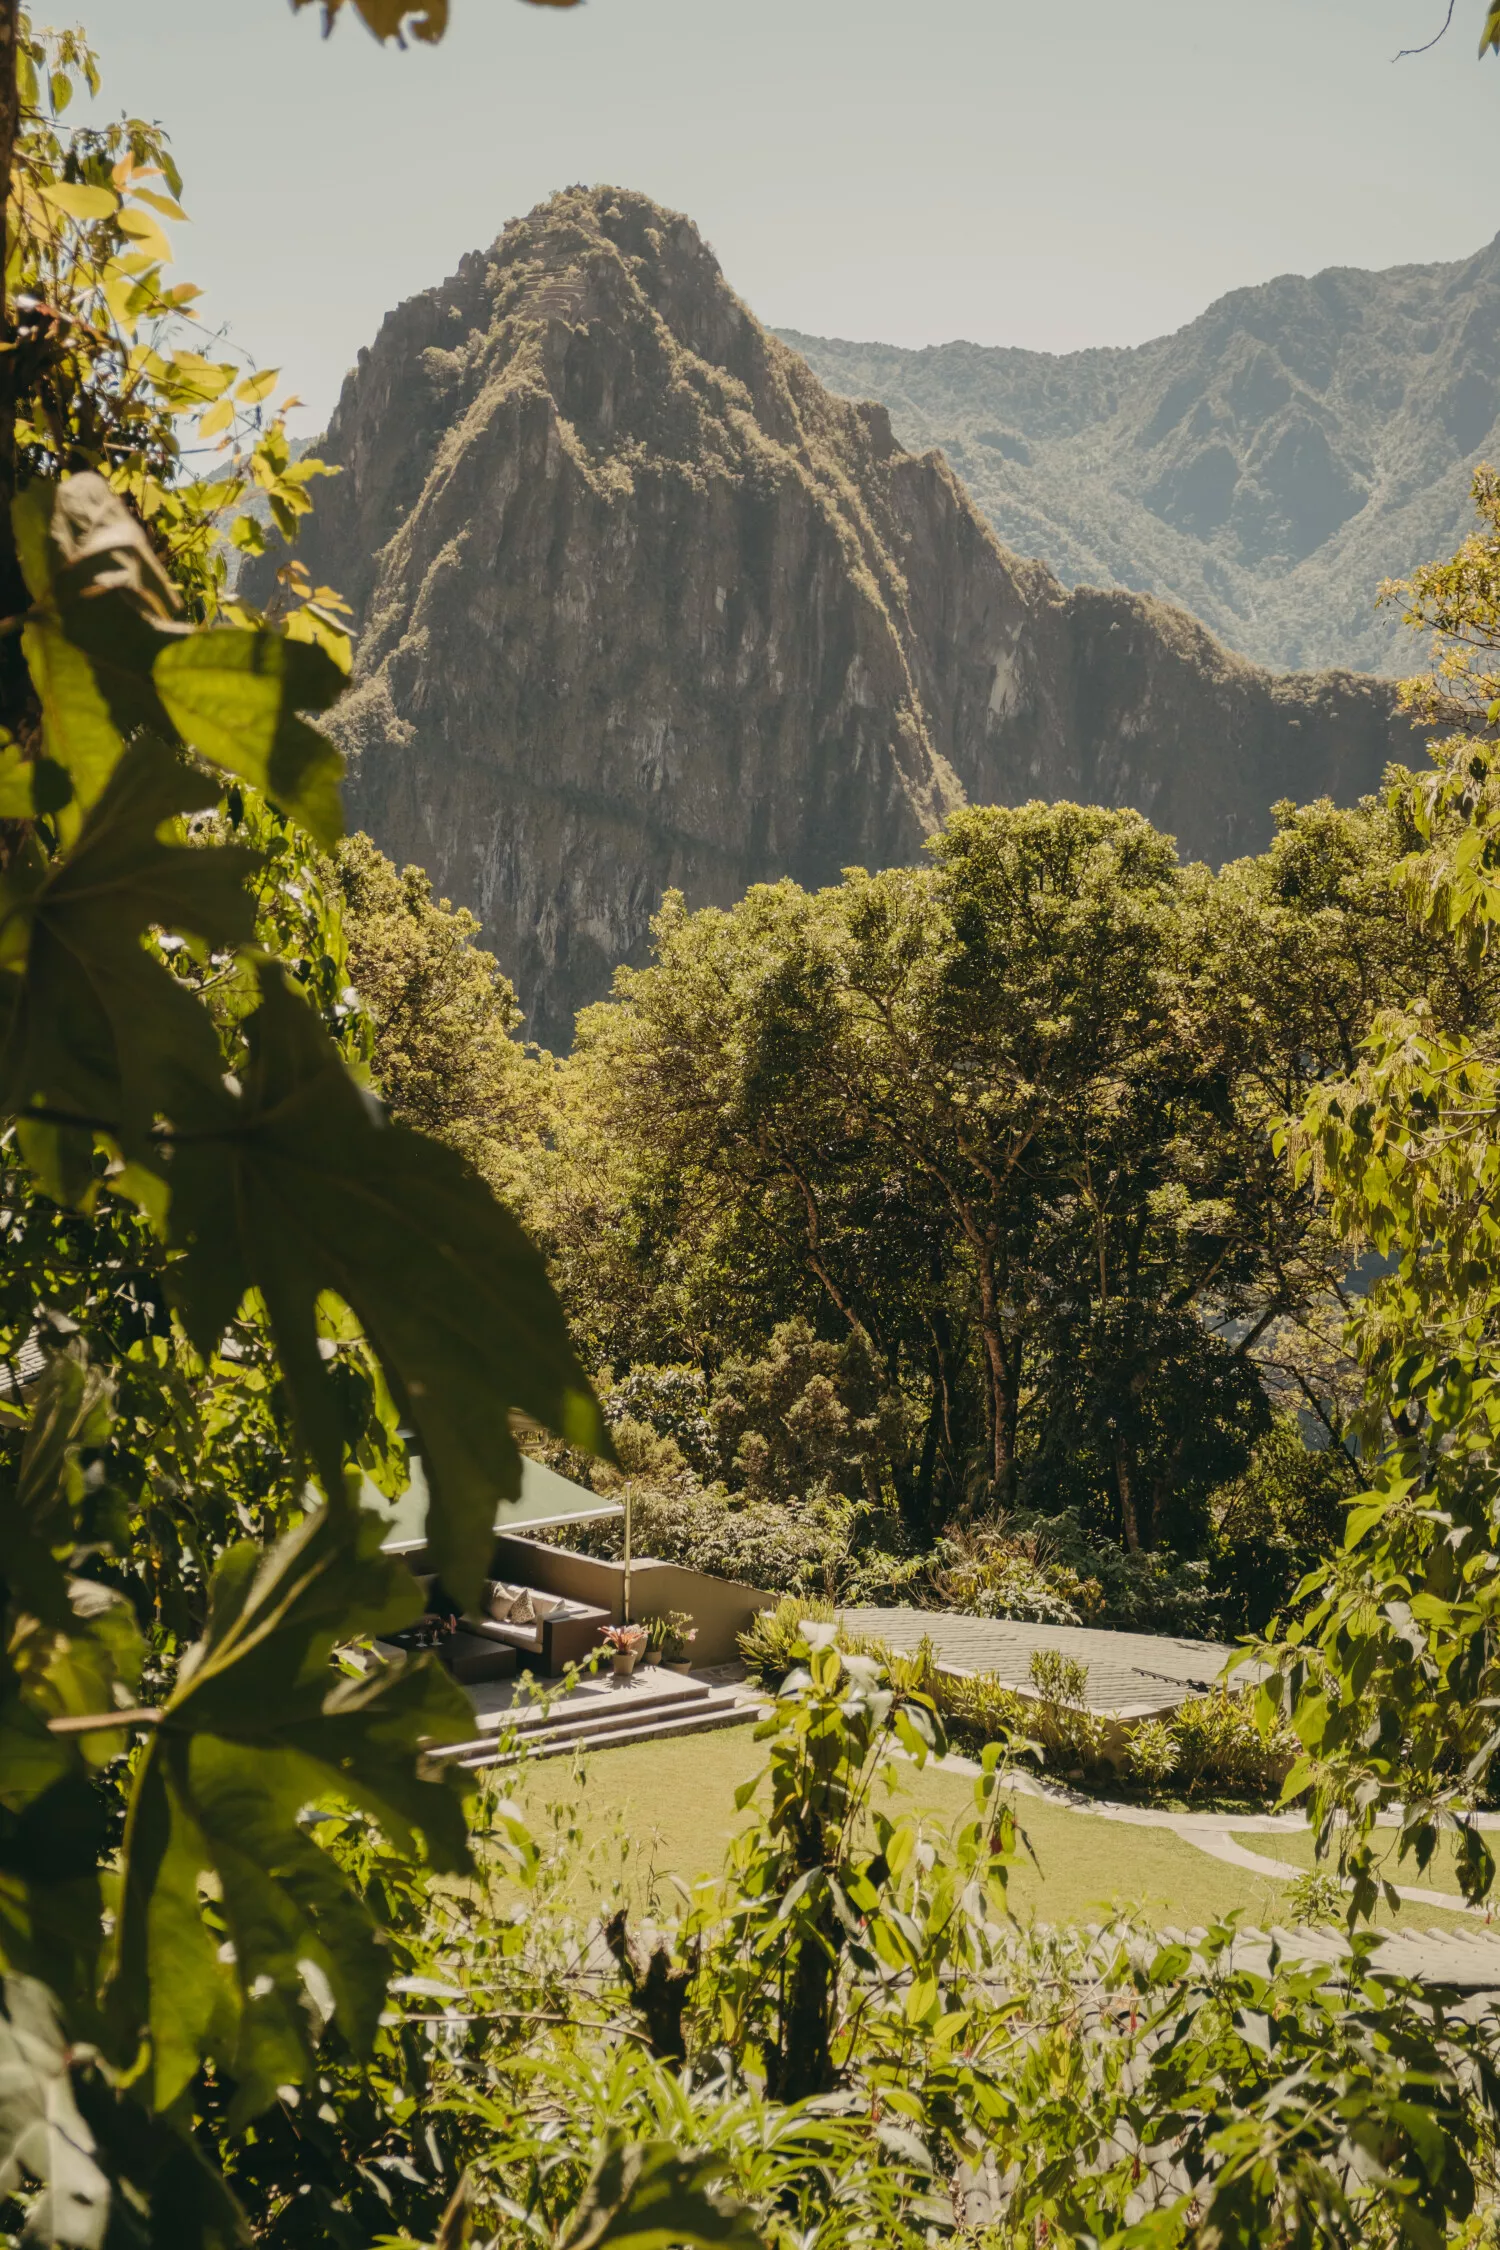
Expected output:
(625, 1588)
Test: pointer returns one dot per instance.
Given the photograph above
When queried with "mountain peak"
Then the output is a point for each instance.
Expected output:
(644, 605)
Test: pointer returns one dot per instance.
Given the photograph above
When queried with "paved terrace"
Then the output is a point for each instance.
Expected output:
(1131, 1675)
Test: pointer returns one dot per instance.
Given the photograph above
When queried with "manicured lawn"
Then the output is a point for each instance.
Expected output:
(656, 1810)
(659, 1809)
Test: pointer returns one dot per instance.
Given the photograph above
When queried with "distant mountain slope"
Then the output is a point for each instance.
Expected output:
(644, 605)
(1266, 466)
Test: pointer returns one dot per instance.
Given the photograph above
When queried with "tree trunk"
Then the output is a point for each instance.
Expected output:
(1128, 1517)
(918, 1512)
(1002, 1385)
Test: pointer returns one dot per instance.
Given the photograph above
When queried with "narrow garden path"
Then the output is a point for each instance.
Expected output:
(1440, 1955)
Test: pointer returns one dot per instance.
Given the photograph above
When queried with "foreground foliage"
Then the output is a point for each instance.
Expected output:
(1389, 1674)
(270, 1273)
(847, 2028)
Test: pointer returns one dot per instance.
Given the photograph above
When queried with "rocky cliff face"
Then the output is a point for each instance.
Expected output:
(644, 605)
(1267, 466)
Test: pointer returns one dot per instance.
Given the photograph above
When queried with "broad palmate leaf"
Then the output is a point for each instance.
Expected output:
(304, 1187)
(94, 1026)
(109, 657)
(260, 1727)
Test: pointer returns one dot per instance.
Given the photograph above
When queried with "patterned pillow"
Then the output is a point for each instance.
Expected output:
(523, 1608)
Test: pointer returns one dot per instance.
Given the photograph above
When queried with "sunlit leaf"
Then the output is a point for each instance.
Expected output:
(235, 694)
(254, 388)
(309, 1189)
(96, 1027)
(79, 202)
(260, 1725)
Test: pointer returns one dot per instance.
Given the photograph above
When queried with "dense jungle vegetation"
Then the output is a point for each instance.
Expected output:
(950, 1197)
(1026, 1182)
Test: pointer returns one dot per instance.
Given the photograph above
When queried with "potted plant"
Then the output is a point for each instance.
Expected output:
(626, 1644)
(672, 1635)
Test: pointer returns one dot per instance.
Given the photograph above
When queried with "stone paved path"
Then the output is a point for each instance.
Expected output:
(1447, 1956)
(1130, 1674)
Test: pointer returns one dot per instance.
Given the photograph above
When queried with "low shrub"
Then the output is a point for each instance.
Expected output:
(777, 1640)
(1316, 1898)
(975, 1708)
(1070, 1733)
(1220, 1749)
(1151, 1754)
(1211, 1746)
(978, 1709)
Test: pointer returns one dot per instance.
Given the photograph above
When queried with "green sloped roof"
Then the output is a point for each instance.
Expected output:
(545, 1499)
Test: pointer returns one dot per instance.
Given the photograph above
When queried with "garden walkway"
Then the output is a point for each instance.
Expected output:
(1469, 1959)
(1131, 1675)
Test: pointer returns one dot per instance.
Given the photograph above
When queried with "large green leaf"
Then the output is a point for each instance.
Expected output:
(109, 657)
(93, 579)
(95, 1027)
(261, 1726)
(314, 1190)
(74, 1649)
(235, 694)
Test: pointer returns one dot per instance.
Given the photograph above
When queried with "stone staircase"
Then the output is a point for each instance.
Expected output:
(607, 1717)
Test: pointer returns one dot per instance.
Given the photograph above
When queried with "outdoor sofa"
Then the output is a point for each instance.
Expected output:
(549, 1633)
(558, 1632)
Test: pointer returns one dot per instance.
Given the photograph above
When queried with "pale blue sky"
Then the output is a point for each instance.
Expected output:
(1014, 171)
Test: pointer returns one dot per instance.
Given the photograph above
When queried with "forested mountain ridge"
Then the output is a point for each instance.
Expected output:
(642, 605)
(1266, 466)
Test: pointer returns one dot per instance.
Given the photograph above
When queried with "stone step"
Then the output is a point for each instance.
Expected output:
(571, 1712)
(613, 1701)
(614, 1732)
(577, 1714)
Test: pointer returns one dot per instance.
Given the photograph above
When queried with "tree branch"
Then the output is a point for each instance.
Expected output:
(102, 1722)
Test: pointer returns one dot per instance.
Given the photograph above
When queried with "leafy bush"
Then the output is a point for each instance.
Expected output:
(1151, 1591)
(1070, 1732)
(1151, 1753)
(777, 1640)
(1277, 1522)
(975, 1707)
(673, 1403)
(995, 1572)
(1220, 1749)
(1316, 1897)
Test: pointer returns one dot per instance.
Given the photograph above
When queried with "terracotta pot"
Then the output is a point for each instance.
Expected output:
(678, 1664)
(626, 1660)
